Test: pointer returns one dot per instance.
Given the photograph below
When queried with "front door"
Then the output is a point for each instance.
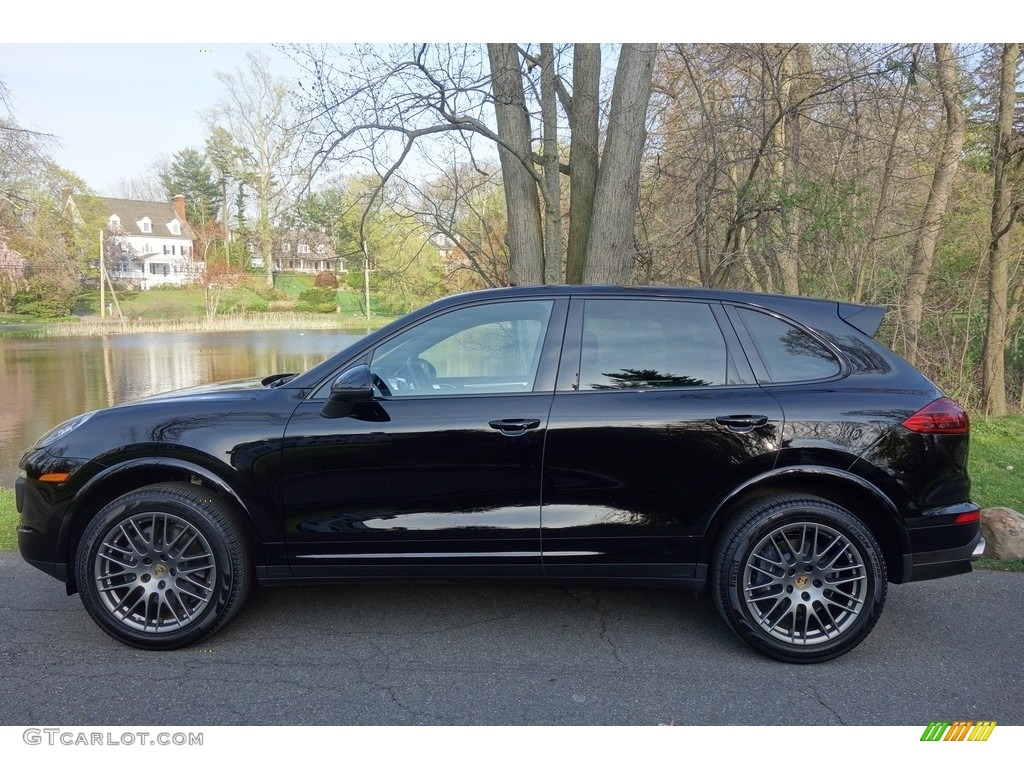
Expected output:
(442, 470)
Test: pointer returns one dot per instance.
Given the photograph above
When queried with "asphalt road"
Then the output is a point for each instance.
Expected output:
(509, 655)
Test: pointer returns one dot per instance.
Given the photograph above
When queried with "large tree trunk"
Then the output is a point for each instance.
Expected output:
(266, 235)
(552, 180)
(522, 201)
(583, 124)
(610, 244)
(954, 128)
(1003, 213)
(796, 92)
(867, 263)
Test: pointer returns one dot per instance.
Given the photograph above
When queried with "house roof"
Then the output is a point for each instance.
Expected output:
(130, 212)
(312, 238)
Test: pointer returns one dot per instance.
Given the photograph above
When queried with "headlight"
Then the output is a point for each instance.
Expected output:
(62, 429)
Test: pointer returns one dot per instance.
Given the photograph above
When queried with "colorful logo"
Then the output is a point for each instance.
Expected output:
(960, 730)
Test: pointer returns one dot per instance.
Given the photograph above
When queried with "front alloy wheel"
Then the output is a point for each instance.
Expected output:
(155, 572)
(799, 578)
(163, 566)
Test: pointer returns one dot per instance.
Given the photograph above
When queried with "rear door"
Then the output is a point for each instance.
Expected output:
(656, 414)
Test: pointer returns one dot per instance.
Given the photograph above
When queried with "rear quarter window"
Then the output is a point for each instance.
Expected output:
(789, 354)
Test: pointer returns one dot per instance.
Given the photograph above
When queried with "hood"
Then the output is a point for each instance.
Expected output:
(221, 388)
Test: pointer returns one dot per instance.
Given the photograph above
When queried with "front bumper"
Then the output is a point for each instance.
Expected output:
(39, 529)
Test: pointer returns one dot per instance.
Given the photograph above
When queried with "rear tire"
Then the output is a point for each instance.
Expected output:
(799, 578)
(163, 566)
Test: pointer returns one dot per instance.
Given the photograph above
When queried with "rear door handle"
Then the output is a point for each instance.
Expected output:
(742, 423)
(514, 427)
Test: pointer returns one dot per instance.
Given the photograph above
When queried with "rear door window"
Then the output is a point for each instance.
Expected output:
(636, 344)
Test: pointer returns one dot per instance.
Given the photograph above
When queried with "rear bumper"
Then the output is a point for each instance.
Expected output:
(920, 566)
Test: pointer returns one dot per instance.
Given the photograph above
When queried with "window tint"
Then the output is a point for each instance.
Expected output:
(630, 344)
(788, 353)
(485, 349)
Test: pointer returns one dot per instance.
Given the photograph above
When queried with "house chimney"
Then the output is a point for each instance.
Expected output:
(179, 206)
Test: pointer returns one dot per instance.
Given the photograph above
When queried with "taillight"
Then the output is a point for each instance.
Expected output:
(967, 517)
(939, 417)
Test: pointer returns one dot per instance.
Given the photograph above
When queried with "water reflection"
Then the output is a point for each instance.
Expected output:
(45, 381)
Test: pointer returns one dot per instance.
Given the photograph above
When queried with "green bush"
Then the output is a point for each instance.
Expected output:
(317, 296)
(51, 294)
(43, 306)
(327, 307)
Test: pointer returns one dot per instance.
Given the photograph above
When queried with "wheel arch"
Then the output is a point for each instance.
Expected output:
(863, 499)
(116, 481)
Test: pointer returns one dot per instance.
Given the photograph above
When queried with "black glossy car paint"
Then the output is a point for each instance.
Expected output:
(555, 482)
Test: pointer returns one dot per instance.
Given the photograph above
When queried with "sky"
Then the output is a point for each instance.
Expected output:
(114, 109)
(120, 96)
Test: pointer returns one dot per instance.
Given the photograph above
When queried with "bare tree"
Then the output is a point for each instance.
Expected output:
(257, 112)
(377, 106)
(954, 127)
(1005, 206)
(520, 177)
(139, 188)
(610, 241)
(464, 205)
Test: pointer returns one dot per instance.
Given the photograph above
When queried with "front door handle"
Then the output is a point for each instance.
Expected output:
(514, 427)
(743, 423)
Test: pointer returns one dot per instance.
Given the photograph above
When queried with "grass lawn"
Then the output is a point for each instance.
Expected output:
(294, 284)
(8, 520)
(17, 319)
(996, 463)
(996, 466)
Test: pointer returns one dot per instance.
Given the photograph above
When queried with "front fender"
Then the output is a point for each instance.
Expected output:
(113, 481)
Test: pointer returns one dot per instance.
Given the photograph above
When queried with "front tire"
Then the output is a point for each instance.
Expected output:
(799, 578)
(163, 566)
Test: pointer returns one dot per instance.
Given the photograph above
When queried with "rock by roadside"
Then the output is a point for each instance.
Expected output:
(1003, 529)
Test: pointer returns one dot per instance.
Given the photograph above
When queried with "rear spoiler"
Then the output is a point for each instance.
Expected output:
(866, 318)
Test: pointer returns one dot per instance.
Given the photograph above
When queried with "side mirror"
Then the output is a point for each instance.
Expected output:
(354, 385)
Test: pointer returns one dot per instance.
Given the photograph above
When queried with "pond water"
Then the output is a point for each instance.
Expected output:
(47, 380)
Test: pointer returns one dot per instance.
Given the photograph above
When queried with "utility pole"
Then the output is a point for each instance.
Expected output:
(103, 274)
(366, 280)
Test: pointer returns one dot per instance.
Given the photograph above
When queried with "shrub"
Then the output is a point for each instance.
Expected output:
(49, 294)
(327, 307)
(326, 279)
(41, 308)
(38, 303)
(316, 296)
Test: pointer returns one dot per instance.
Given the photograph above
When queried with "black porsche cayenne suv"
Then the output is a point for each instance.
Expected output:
(761, 446)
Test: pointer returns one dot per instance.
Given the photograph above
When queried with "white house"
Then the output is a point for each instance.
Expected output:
(146, 243)
(150, 243)
(300, 251)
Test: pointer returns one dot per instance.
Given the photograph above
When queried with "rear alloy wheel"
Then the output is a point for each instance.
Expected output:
(799, 578)
(163, 566)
